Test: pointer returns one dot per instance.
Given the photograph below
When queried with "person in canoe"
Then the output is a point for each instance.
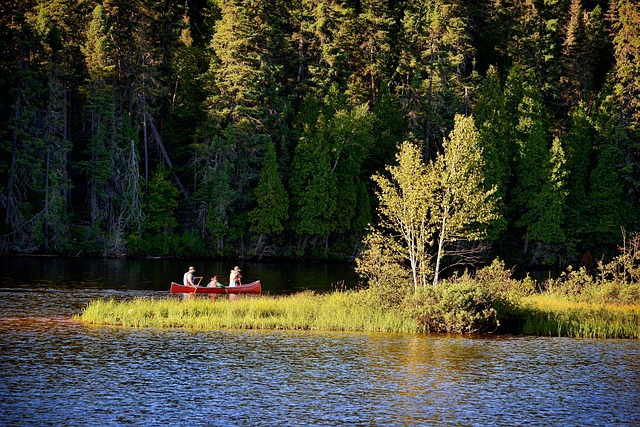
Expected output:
(214, 282)
(235, 278)
(189, 278)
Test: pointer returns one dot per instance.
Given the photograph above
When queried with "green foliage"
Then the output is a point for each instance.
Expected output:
(272, 208)
(579, 143)
(626, 44)
(161, 205)
(462, 208)
(320, 28)
(313, 185)
(405, 200)
(350, 133)
(496, 277)
(615, 282)
(458, 306)
(383, 267)
(607, 201)
(208, 86)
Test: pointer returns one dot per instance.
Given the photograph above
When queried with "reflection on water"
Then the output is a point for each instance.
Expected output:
(55, 371)
(71, 273)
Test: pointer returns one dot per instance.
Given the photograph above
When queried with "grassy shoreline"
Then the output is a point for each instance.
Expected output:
(540, 315)
(550, 316)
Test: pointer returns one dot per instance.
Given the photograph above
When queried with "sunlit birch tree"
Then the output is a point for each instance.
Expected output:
(463, 207)
(405, 197)
(430, 211)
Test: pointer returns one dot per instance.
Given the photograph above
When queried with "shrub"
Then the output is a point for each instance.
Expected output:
(496, 277)
(458, 306)
(388, 279)
(571, 283)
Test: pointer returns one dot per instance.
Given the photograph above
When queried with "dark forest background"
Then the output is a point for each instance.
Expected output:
(252, 128)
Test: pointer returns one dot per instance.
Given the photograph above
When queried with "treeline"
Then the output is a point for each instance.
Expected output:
(252, 128)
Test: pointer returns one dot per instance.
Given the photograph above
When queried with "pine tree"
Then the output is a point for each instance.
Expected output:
(388, 131)
(606, 201)
(158, 236)
(314, 189)
(494, 123)
(432, 68)
(370, 50)
(586, 54)
(321, 26)
(244, 107)
(579, 143)
(575, 57)
(350, 139)
(272, 209)
(539, 180)
(625, 15)
(37, 187)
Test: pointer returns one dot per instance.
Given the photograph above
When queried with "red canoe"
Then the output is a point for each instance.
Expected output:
(249, 288)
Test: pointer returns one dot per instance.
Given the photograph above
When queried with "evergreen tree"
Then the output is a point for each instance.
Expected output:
(578, 142)
(158, 233)
(536, 185)
(586, 54)
(37, 186)
(494, 124)
(321, 26)
(545, 214)
(432, 68)
(272, 210)
(350, 139)
(370, 51)
(245, 75)
(388, 131)
(314, 189)
(534, 43)
(99, 167)
(625, 16)
(606, 201)
(575, 56)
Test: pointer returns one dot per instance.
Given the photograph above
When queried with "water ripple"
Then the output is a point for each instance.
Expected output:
(55, 371)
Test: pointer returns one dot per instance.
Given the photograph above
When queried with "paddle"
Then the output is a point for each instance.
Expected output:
(197, 285)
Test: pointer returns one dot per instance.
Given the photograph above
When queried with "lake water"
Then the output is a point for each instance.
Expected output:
(57, 372)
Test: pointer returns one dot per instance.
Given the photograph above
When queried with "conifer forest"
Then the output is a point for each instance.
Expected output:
(261, 129)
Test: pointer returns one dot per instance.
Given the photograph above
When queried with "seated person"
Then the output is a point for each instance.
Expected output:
(214, 282)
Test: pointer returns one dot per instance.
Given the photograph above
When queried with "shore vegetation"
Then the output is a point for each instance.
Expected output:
(575, 305)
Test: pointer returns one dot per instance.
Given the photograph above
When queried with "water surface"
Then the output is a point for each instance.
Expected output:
(55, 371)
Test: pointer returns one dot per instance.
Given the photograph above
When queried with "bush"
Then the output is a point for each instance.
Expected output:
(603, 288)
(388, 280)
(458, 306)
(571, 283)
(496, 277)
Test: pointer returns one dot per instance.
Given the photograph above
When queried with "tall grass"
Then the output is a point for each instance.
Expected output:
(335, 311)
(547, 315)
